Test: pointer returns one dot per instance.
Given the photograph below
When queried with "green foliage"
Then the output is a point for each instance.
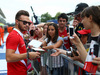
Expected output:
(56, 17)
(45, 17)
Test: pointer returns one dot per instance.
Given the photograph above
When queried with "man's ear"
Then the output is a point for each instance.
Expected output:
(16, 21)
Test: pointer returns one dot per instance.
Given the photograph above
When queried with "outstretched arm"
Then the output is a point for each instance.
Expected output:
(11, 56)
(58, 52)
(56, 45)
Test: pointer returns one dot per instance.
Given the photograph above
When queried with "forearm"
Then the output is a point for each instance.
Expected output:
(63, 52)
(40, 25)
(16, 57)
(82, 51)
(48, 47)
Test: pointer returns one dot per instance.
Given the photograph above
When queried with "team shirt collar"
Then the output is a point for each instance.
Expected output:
(19, 32)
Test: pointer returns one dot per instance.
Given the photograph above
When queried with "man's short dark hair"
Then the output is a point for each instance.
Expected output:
(21, 12)
(63, 15)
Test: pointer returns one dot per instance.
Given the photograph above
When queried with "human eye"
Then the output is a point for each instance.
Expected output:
(60, 20)
(52, 29)
(24, 22)
(63, 20)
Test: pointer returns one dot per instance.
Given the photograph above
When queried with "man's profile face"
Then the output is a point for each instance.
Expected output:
(62, 22)
(23, 23)
(77, 17)
(77, 20)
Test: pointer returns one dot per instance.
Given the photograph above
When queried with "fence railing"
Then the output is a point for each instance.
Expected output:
(52, 69)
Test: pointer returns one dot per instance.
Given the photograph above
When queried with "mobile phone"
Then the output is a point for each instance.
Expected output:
(96, 49)
(69, 53)
(71, 31)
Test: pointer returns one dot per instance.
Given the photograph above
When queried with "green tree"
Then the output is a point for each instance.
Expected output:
(57, 14)
(45, 17)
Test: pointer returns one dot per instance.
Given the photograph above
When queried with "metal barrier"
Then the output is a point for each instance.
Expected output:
(34, 69)
(73, 66)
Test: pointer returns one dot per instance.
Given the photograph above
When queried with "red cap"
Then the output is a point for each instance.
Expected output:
(84, 31)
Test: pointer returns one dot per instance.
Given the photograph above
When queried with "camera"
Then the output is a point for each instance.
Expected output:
(71, 31)
(69, 53)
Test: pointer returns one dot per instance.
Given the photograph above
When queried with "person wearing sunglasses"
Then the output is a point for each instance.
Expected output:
(91, 20)
(25, 22)
(16, 52)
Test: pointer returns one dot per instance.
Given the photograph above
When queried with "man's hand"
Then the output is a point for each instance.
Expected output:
(34, 55)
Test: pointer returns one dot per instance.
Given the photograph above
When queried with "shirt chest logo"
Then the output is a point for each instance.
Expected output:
(22, 45)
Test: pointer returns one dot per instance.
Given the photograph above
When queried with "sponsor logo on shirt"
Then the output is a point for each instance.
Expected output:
(23, 45)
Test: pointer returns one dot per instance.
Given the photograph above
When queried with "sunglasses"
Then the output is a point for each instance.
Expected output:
(25, 22)
(77, 15)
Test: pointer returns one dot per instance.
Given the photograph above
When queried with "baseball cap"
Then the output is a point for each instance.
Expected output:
(84, 31)
(80, 7)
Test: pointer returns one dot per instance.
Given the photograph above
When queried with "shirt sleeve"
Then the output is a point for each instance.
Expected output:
(60, 38)
(12, 42)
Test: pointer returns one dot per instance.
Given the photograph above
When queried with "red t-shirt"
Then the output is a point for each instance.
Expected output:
(9, 29)
(65, 37)
(15, 41)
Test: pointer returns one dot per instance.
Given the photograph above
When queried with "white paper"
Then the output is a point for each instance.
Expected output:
(35, 43)
(38, 49)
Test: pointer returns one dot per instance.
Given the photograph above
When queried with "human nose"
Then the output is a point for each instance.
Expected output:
(82, 21)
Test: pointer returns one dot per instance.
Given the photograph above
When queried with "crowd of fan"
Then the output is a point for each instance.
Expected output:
(56, 36)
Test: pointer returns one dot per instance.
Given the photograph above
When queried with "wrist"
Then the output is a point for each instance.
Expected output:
(44, 47)
(64, 52)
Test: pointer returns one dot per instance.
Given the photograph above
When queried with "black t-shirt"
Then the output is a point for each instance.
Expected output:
(79, 27)
(97, 39)
(94, 38)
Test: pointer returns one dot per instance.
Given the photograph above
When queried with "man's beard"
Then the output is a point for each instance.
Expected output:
(21, 28)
